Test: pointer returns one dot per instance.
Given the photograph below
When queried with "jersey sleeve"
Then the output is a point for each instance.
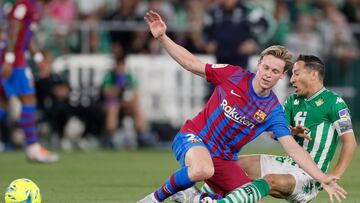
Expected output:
(217, 73)
(22, 11)
(278, 124)
(19, 11)
(339, 116)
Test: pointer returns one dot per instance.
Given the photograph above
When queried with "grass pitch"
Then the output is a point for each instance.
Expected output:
(120, 176)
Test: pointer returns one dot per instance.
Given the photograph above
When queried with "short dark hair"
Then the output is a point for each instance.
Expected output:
(313, 63)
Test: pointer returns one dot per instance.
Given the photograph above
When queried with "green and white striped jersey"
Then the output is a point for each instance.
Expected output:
(327, 116)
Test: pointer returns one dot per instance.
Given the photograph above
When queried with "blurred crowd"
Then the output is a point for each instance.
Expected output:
(117, 26)
(231, 30)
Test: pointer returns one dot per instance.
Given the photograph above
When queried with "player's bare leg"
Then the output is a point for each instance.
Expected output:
(251, 165)
(281, 185)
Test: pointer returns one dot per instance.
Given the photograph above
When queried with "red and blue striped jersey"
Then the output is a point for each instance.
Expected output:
(235, 114)
(27, 12)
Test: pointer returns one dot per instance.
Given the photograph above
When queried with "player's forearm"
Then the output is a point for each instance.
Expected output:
(304, 160)
(347, 151)
(301, 157)
(186, 59)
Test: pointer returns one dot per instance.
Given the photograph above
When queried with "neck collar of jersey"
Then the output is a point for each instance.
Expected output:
(316, 94)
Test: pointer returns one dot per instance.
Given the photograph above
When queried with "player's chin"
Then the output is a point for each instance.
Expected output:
(298, 92)
(267, 85)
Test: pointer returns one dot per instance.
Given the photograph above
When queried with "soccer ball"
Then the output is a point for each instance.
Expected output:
(22, 191)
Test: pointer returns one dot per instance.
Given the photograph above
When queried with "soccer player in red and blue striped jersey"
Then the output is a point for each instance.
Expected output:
(240, 109)
(16, 76)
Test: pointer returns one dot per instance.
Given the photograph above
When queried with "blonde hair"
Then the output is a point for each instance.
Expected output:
(279, 52)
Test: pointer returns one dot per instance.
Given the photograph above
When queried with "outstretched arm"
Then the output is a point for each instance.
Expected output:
(304, 160)
(301, 157)
(186, 59)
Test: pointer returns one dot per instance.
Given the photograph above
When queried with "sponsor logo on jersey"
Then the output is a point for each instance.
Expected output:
(344, 113)
(248, 190)
(193, 138)
(231, 113)
(260, 116)
(339, 100)
(234, 93)
(319, 102)
(218, 65)
(296, 102)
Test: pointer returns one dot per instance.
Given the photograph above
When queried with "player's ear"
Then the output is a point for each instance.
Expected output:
(314, 75)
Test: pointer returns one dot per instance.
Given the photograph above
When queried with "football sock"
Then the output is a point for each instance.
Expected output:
(178, 181)
(211, 195)
(207, 189)
(27, 123)
(249, 193)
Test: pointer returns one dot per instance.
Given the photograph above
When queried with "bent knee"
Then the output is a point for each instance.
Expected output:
(271, 180)
(199, 173)
(281, 185)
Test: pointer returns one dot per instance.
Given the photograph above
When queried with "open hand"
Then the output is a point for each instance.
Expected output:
(333, 189)
(301, 131)
(156, 24)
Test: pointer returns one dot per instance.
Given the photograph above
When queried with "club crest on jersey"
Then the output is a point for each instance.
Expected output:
(260, 116)
(344, 113)
(319, 102)
(218, 65)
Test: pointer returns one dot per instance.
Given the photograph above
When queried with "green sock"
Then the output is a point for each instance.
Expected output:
(249, 193)
(207, 189)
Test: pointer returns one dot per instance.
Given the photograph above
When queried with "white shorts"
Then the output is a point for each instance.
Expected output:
(306, 187)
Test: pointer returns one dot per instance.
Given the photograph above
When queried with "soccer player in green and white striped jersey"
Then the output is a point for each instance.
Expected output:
(318, 119)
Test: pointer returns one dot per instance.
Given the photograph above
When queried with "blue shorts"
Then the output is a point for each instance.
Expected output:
(20, 82)
(183, 141)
